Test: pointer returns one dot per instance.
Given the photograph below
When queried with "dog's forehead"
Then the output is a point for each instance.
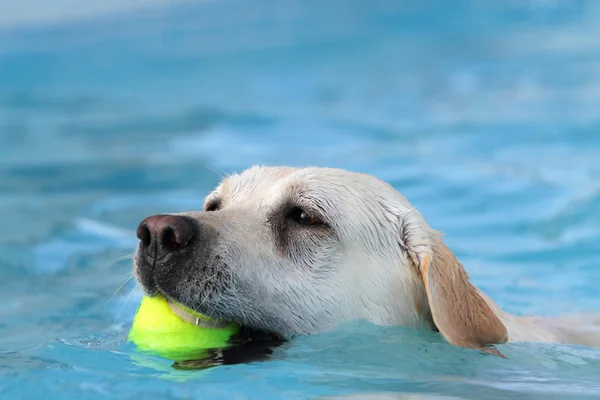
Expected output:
(370, 203)
(253, 184)
(260, 184)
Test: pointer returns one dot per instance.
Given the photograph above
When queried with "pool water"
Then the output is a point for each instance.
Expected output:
(484, 114)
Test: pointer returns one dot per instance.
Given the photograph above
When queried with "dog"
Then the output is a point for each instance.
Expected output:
(299, 251)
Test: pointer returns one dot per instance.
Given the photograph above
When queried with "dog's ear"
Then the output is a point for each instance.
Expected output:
(458, 309)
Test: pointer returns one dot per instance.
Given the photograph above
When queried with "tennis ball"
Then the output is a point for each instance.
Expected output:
(162, 328)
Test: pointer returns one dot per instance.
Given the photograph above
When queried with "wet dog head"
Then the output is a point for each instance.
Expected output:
(302, 250)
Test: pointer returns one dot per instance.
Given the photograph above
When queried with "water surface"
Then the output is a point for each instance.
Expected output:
(485, 116)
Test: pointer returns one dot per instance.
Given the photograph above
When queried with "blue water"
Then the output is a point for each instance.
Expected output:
(484, 114)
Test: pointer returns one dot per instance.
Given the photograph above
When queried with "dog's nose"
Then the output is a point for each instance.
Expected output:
(163, 234)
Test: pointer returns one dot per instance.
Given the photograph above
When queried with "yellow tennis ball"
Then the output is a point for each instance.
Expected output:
(158, 328)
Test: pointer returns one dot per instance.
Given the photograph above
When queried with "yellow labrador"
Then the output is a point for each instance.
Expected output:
(293, 251)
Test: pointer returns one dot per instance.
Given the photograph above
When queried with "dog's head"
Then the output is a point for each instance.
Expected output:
(302, 250)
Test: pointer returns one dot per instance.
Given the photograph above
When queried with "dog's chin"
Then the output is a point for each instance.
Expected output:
(247, 345)
(247, 333)
(155, 285)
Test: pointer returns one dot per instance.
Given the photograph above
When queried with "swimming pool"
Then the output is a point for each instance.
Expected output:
(484, 116)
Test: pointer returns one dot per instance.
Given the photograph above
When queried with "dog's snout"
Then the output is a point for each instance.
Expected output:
(164, 234)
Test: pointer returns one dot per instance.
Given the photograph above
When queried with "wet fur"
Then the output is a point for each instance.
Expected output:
(374, 258)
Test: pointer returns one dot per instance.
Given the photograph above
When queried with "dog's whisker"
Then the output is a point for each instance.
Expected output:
(215, 306)
(113, 262)
(221, 174)
(127, 279)
(208, 292)
(207, 279)
(240, 309)
(136, 287)
(239, 302)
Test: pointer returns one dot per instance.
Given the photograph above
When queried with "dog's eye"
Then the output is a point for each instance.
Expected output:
(304, 217)
(213, 205)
